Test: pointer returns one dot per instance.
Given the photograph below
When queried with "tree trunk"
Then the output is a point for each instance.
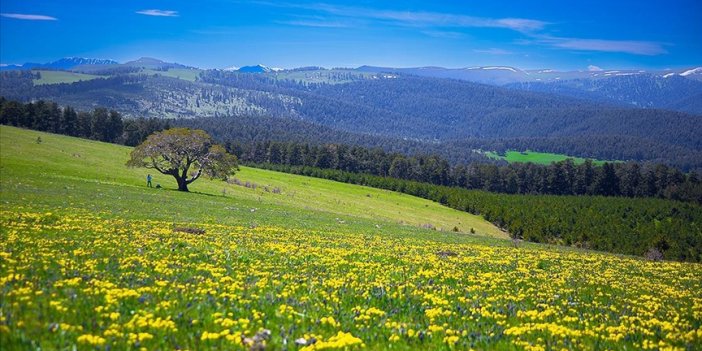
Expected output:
(182, 184)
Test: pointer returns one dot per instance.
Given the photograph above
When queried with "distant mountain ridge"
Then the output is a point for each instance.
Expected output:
(494, 75)
(408, 107)
(254, 69)
(503, 75)
(61, 64)
(677, 90)
(674, 92)
(86, 64)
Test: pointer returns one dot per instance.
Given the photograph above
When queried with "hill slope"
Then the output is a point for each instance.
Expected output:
(90, 258)
(640, 90)
(30, 169)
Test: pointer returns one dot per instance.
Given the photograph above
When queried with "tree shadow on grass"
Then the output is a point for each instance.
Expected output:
(176, 191)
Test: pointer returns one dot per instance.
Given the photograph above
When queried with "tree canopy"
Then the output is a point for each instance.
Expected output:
(178, 150)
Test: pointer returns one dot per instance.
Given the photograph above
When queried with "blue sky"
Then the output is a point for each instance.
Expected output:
(223, 33)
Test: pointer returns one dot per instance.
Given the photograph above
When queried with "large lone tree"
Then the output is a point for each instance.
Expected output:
(178, 150)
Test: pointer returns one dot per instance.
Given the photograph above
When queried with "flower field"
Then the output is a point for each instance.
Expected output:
(89, 281)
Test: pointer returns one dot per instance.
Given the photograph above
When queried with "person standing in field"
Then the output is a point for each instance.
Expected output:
(148, 180)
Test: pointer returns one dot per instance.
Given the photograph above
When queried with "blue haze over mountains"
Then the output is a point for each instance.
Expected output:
(679, 90)
(607, 114)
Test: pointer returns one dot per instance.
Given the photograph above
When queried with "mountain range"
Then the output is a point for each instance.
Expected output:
(630, 115)
(62, 64)
(494, 75)
(679, 90)
(501, 75)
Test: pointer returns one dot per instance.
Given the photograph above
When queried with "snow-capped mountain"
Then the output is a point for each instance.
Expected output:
(693, 73)
(496, 75)
(64, 63)
(502, 75)
(672, 89)
(69, 62)
(255, 69)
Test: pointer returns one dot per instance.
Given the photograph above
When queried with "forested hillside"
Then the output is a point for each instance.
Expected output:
(558, 178)
(641, 90)
(289, 142)
(457, 115)
(620, 225)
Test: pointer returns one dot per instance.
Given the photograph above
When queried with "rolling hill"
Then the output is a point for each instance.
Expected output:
(91, 258)
(83, 167)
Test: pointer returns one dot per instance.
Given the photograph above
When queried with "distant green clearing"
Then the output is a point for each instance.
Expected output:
(543, 158)
(57, 77)
(180, 73)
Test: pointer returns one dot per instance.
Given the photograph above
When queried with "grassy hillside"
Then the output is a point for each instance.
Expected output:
(56, 77)
(91, 259)
(189, 74)
(86, 167)
(543, 158)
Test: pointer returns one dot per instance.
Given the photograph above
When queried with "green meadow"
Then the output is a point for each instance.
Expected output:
(56, 77)
(62, 172)
(179, 73)
(92, 259)
(543, 158)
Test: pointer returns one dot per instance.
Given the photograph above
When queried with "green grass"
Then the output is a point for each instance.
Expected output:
(65, 172)
(543, 158)
(180, 73)
(92, 259)
(56, 77)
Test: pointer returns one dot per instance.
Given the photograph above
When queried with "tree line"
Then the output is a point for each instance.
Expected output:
(561, 178)
(256, 129)
(632, 226)
(99, 124)
(616, 224)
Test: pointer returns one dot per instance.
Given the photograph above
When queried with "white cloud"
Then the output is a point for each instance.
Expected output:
(535, 31)
(159, 13)
(593, 68)
(493, 51)
(521, 24)
(27, 17)
(314, 23)
(634, 47)
(443, 34)
(415, 18)
(436, 18)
